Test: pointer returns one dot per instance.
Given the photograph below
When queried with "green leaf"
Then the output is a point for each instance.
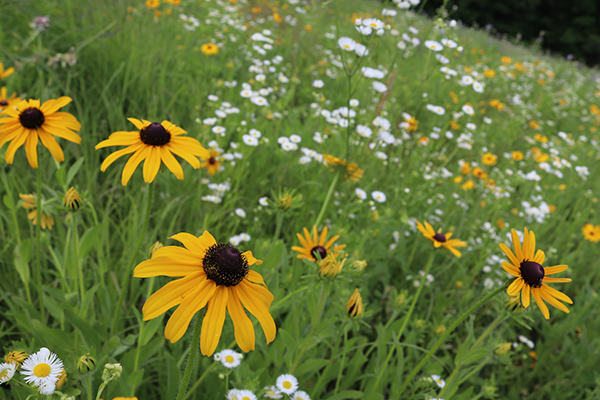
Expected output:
(351, 394)
(136, 377)
(21, 257)
(476, 355)
(311, 366)
(73, 170)
(8, 201)
(149, 330)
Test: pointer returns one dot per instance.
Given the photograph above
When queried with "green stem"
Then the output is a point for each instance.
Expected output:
(89, 387)
(339, 378)
(129, 268)
(316, 321)
(38, 234)
(199, 381)
(327, 199)
(406, 319)
(76, 255)
(489, 330)
(445, 335)
(189, 368)
(136, 361)
(101, 389)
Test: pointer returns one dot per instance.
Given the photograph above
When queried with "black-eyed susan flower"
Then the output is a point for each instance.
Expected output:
(209, 49)
(5, 72)
(28, 123)
(43, 369)
(355, 305)
(30, 203)
(154, 142)
(526, 265)
(441, 240)
(16, 357)
(350, 171)
(211, 162)
(7, 101)
(591, 232)
(317, 244)
(216, 276)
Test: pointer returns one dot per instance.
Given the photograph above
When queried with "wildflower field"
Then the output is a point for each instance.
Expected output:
(292, 199)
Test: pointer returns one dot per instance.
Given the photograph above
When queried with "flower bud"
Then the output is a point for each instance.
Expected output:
(86, 363)
(355, 305)
(111, 372)
(72, 199)
(16, 357)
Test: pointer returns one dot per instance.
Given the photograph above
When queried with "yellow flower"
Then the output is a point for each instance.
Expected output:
(72, 199)
(329, 267)
(489, 159)
(154, 143)
(517, 155)
(4, 73)
(591, 232)
(151, 4)
(216, 276)
(7, 101)
(316, 244)
(468, 185)
(526, 265)
(16, 357)
(441, 240)
(209, 49)
(211, 161)
(29, 122)
(62, 379)
(351, 170)
(355, 305)
(30, 203)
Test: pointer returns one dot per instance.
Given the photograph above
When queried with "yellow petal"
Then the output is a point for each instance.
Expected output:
(510, 255)
(51, 144)
(309, 240)
(517, 245)
(117, 154)
(323, 236)
(180, 255)
(259, 310)
(555, 270)
(152, 164)
(163, 266)
(526, 243)
(331, 241)
(171, 163)
(556, 280)
(138, 124)
(31, 149)
(539, 257)
(243, 327)
(525, 296)
(132, 164)
(212, 324)
(51, 106)
(515, 286)
(172, 294)
(555, 293)
(14, 146)
(540, 303)
(508, 267)
(251, 259)
(553, 301)
(191, 304)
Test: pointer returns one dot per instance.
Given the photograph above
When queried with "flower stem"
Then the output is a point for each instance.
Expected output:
(199, 381)
(327, 199)
(189, 368)
(279, 225)
(136, 361)
(316, 320)
(38, 234)
(489, 330)
(445, 335)
(339, 378)
(128, 271)
(406, 319)
(76, 254)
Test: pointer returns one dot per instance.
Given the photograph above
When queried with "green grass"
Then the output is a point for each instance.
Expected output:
(131, 64)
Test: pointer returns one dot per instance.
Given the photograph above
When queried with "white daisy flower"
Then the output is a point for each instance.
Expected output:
(360, 193)
(478, 87)
(259, 101)
(468, 109)
(346, 43)
(318, 84)
(213, 97)
(373, 23)
(7, 371)
(42, 369)
(295, 139)
(354, 103)
(380, 87)
(245, 395)
(244, 237)
(263, 201)
(364, 131)
(272, 393)
(449, 43)
(287, 383)
(378, 196)
(300, 395)
(439, 381)
(246, 93)
(234, 240)
(361, 50)
(250, 140)
(230, 359)
(233, 394)
(219, 130)
(240, 212)
(433, 45)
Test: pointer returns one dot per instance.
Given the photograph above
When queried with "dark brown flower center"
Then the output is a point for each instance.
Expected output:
(440, 237)
(212, 161)
(322, 251)
(225, 265)
(532, 273)
(155, 135)
(32, 118)
(3, 103)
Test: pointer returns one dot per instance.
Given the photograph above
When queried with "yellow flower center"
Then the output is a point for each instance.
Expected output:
(229, 359)
(42, 370)
(287, 384)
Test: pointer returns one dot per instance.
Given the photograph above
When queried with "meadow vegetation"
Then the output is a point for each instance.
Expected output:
(344, 171)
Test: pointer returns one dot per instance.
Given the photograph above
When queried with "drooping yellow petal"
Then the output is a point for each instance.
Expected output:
(51, 106)
(556, 280)
(515, 286)
(172, 294)
(212, 324)
(259, 292)
(117, 154)
(510, 255)
(152, 164)
(552, 300)
(454, 251)
(251, 259)
(255, 277)
(555, 293)
(525, 295)
(243, 327)
(132, 164)
(51, 144)
(511, 269)
(171, 163)
(183, 152)
(191, 304)
(31, 149)
(538, 299)
(259, 310)
(14, 146)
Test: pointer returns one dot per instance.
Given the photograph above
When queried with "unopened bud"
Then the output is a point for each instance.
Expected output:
(72, 200)
(86, 363)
